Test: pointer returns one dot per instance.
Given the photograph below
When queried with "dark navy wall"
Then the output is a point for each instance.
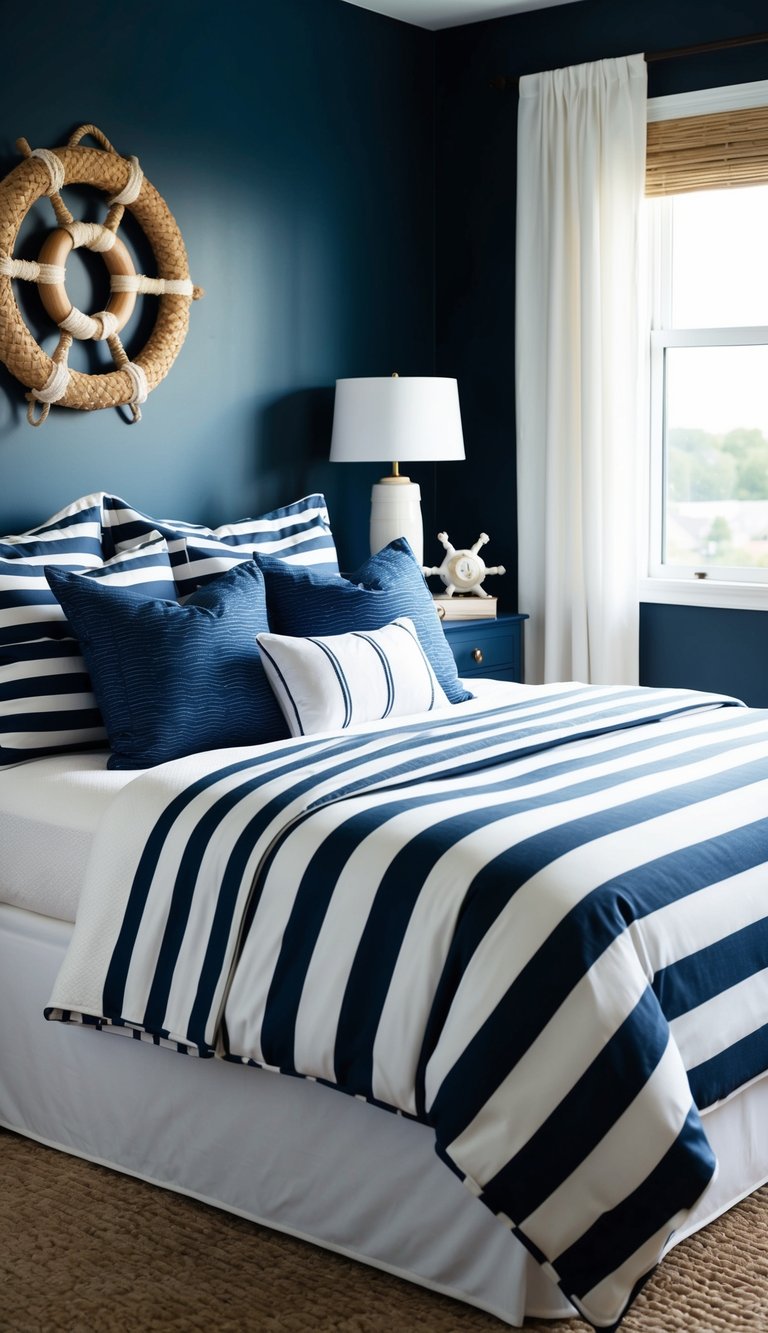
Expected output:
(345, 186)
(293, 141)
(706, 648)
(475, 247)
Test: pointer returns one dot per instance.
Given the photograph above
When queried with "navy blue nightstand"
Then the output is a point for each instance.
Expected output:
(488, 647)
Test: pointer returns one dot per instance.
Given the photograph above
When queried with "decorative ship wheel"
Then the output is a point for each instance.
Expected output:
(44, 172)
(463, 571)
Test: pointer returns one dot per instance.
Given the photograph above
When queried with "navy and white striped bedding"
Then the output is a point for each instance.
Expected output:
(72, 536)
(47, 704)
(298, 533)
(541, 927)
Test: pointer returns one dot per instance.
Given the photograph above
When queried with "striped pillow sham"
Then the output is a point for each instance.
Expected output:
(299, 533)
(340, 680)
(72, 536)
(46, 698)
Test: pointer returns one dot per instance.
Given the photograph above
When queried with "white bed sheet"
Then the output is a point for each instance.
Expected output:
(49, 809)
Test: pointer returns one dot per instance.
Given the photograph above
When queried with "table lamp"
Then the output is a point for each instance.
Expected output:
(394, 419)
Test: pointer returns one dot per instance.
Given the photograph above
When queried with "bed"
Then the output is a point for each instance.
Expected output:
(395, 909)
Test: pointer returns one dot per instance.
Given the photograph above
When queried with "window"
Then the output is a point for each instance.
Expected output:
(709, 383)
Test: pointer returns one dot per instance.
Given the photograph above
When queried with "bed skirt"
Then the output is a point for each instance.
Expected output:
(284, 1152)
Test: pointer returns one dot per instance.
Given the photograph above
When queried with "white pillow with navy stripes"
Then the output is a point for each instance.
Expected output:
(340, 680)
(70, 537)
(299, 533)
(46, 699)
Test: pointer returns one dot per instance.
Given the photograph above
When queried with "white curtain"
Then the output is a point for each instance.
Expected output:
(581, 168)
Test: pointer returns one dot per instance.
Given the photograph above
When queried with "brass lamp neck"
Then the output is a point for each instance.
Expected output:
(395, 477)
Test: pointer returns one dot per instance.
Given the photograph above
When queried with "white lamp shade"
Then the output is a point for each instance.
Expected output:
(387, 418)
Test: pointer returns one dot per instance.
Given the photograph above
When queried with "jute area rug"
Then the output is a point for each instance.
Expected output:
(85, 1250)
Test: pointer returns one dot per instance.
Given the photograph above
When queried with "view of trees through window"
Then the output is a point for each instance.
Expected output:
(717, 497)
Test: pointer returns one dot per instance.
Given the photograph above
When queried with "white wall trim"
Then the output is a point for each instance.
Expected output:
(705, 592)
(708, 101)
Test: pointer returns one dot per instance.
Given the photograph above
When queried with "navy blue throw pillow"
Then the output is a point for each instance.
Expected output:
(173, 679)
(389, 585)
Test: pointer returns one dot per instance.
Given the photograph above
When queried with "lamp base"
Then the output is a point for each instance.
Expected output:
(396, 512)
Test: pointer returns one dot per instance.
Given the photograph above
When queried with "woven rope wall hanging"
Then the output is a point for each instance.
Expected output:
(44, 172)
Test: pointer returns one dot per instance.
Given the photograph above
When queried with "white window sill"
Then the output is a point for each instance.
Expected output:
(705, 592)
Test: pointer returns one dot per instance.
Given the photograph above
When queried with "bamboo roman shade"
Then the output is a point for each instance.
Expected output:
(707, 152)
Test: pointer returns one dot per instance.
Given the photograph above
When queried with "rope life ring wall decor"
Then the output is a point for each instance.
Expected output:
(49, 379)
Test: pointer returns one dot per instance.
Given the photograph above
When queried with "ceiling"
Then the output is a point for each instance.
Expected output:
(436, 14)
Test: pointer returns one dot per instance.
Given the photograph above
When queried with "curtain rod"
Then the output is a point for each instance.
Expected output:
(675, 53)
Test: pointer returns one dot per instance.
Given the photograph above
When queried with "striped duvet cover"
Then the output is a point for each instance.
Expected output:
(539, 926)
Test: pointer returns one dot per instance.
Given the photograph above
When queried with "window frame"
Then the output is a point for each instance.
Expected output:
(721, 585)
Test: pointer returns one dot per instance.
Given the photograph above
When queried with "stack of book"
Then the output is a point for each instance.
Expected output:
(465, 607)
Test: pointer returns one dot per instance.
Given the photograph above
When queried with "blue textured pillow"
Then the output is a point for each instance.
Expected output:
(46, 700)
(299, 533)
(172, 679)
(388, 586)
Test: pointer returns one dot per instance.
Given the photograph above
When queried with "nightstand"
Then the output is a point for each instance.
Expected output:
(492, 647)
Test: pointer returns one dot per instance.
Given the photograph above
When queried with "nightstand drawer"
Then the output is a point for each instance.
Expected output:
(488, 647)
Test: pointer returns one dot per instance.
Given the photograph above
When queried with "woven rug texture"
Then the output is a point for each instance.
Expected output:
(86, 1250)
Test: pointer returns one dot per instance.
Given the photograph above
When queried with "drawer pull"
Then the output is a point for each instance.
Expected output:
(477, 655)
